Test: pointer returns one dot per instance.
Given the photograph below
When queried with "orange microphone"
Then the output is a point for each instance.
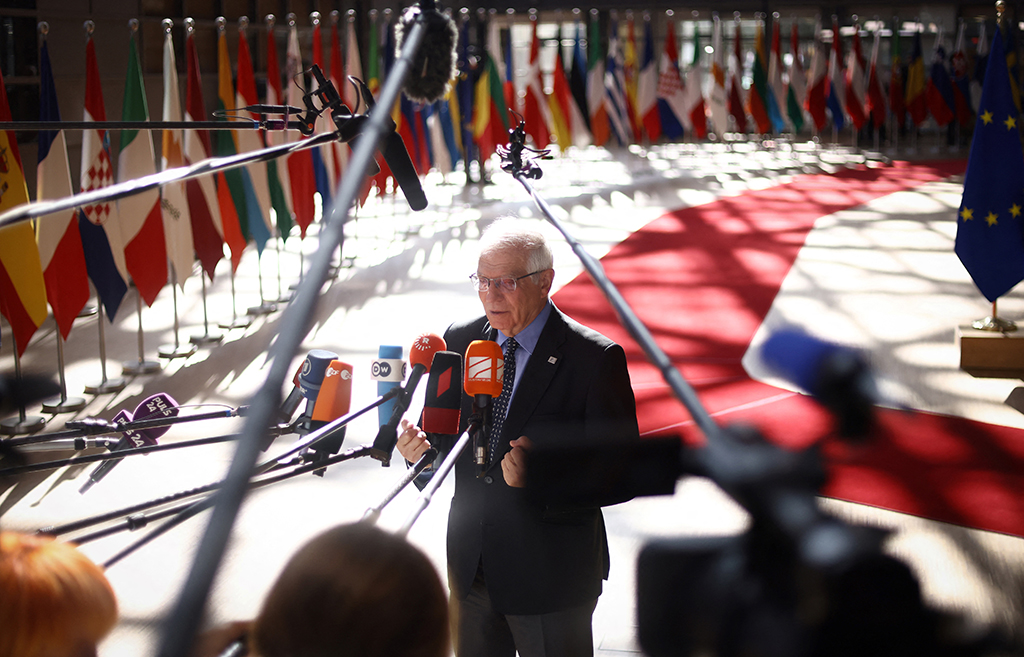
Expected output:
(332, 402)
(485, 367)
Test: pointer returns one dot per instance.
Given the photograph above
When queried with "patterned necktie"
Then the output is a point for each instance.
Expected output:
(501, 404)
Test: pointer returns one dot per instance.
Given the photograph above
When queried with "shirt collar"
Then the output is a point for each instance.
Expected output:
(528, 337)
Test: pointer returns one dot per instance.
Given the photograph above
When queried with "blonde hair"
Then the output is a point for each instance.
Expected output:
(51, 597)
(354, 591)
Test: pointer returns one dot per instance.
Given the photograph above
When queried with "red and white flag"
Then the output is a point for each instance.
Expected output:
(203, 207)
(99, 223)
(60, 246)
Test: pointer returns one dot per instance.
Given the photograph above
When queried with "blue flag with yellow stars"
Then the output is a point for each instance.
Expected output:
(990, 224)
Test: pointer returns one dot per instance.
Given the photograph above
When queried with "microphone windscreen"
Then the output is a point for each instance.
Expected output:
(153, 407)
(837, 376)
(799, 358)
(484, 368)
(335, 397)
(129, 437)
(388, 367)
(156, 406)
(312, 374)
(442, 402)
(435, 64)
(424, 348)
(389, 372)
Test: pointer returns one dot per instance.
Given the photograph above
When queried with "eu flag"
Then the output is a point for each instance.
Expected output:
(990, 226)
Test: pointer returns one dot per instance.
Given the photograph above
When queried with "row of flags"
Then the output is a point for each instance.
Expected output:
(634, 92)
(599, 97)
(627, 99)
(154, 237)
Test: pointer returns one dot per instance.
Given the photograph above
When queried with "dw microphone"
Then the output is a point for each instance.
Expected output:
(420, 355)
(389, 372)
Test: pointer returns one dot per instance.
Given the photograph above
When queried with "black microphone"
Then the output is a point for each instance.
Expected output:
(271, 109)
(397, 156)
(420, 355)
(483, 382)
(838, 377)
(442, 400)
(435, 64)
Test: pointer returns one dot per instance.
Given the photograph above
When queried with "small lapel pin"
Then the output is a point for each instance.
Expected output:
(552, 360)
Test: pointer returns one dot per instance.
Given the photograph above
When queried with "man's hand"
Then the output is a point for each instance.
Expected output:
(513, 465)
(412, 442)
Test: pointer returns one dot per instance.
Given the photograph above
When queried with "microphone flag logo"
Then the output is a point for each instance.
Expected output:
(444, 382)
(484, 368)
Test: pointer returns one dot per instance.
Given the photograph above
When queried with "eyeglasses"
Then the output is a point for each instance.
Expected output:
(505, 284)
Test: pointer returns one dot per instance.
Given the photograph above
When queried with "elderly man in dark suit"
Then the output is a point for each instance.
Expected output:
(524, 576)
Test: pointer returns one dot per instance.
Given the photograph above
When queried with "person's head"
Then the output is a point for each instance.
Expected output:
(354, 591)
(518, 255)
(54, 601)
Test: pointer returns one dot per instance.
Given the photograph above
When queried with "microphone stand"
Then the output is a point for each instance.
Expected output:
(186, 616)
(93, 458)
(184, 512)
(98, 427)
(270, 464)
(427, 494)
(137, 521)
(314, 437)
(373, 513)
(127, 188)
(777, 487)
(523, 169)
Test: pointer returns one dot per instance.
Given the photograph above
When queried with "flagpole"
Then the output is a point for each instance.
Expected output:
(176, 350)
(236, 321)
(105, 385)
(182, 622)
(141, 366)
(23, 423)
(281, 296)
(895, 121)
(266, 306)
(62, 404)
(207, 337)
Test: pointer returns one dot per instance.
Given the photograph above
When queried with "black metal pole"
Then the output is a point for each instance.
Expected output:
(184, 620)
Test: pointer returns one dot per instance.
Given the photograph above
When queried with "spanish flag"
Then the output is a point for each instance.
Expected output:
(22, 291)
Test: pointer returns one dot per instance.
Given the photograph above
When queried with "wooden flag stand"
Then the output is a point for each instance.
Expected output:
(991, 347)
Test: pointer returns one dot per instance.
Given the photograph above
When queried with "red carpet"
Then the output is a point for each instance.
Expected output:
(702, 280)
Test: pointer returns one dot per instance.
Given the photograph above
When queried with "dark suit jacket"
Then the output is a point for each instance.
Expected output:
(538, 559)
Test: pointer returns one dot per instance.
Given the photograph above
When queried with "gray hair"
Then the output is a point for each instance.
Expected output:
(518, 235)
